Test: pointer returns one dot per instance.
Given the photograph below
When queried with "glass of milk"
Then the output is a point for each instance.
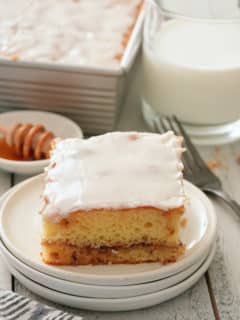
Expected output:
(191, 66)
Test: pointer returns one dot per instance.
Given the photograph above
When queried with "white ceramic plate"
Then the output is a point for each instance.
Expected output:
(124, 304)
(59, 125)
(20, 231)
(92, 291)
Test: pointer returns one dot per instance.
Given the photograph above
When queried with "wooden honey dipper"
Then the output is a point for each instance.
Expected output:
(29, 141)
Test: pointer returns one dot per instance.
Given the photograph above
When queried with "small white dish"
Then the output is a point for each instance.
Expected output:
(124, 304)
(21, 207)
(61, 126)
(93, 291)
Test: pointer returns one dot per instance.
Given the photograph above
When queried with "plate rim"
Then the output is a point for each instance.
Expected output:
(138, 277)
(116, 291)
(99, 304)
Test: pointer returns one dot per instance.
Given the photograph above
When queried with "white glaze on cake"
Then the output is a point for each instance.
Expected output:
(76, 32)
(115, 170)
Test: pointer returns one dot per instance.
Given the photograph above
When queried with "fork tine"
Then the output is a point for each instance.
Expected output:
(160, 126)
(154, 126)
(171, 125)
(165, 128)
(157, 127)
(185, 159)
(195, 154)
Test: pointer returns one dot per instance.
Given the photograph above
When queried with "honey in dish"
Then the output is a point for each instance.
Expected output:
(26, 142)
(7, 152)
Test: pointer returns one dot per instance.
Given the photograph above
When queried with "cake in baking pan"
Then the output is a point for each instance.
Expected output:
(73, 32)
(115, 198)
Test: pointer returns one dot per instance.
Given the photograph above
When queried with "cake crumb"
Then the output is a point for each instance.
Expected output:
(238, 159)
(214, 164)
(15, 57)
(217, 149)
(184, 222)
(133, 136)
(114, 252)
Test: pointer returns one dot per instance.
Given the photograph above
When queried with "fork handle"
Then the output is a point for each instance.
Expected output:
(227, 199)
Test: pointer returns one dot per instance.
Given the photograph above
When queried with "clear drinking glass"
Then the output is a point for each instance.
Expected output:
(191, 66)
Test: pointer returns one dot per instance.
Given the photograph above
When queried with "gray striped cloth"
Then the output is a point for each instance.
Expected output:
(16, 307)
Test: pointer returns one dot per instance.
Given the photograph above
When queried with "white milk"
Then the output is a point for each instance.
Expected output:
(193, 70)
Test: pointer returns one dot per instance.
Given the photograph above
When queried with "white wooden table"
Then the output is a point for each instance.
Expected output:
(217, 294)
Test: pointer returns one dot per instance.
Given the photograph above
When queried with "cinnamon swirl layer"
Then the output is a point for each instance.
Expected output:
(65, 254)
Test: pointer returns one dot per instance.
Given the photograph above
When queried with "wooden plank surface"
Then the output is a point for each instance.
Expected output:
(225, 271)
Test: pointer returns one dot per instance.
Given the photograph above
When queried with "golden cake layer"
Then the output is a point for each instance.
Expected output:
(135, 232)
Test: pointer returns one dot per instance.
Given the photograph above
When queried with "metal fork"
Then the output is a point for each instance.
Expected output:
(195, 169)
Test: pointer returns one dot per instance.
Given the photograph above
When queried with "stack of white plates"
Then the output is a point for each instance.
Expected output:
(110, 287)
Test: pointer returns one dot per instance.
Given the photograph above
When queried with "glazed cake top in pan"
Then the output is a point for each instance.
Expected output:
(72, 32)
(116, 171)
